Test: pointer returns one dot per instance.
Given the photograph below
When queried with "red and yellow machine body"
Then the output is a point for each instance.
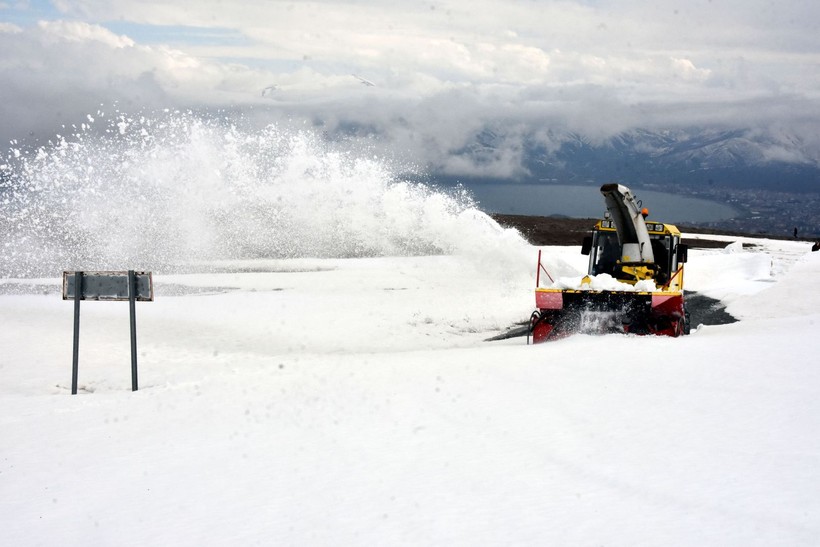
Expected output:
(662, 311)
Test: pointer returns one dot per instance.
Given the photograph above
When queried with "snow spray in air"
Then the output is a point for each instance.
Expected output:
(162, 191)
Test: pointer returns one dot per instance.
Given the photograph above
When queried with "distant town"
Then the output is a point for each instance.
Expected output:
(763, 212)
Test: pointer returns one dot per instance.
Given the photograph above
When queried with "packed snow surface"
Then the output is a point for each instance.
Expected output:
(351, 399)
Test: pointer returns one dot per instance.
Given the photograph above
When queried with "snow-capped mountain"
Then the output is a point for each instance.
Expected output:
(736, 158)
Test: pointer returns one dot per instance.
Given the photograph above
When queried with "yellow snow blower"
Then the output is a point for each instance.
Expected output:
(634, 283)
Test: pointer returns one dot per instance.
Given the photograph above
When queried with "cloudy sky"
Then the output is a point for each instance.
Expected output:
(425, 76)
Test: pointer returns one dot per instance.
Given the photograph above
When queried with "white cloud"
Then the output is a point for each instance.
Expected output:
(444, 70)
(686, 70)
(9, 28)
(74, 31)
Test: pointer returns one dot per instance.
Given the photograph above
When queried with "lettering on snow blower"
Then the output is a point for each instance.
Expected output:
(128, 286)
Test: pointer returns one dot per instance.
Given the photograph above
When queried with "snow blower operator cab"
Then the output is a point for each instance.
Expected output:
(634, 282)
(606, 256)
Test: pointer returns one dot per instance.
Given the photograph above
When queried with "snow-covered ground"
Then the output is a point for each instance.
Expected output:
(350, 398)
(354, 401)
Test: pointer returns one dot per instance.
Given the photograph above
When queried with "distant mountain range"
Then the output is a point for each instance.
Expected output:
(740, 158)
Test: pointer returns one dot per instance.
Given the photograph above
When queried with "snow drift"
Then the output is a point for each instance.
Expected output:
(353, 401)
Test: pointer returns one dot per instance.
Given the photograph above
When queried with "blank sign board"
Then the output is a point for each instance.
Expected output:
(108, 286)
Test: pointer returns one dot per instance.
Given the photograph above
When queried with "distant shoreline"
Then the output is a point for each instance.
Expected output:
(583, 201)
(542, 231)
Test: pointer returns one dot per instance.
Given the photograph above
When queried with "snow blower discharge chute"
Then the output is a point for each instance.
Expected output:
(634, 283)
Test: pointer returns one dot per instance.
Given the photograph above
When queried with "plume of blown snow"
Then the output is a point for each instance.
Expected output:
(164, 190)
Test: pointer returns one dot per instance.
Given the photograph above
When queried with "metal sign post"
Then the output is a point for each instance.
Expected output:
(107, 286)
(132, 307)
(78, 282)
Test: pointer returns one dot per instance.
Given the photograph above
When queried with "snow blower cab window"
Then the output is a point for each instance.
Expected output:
(606, 251)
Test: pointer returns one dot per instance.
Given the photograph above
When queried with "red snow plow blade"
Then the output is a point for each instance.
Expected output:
(564, 312)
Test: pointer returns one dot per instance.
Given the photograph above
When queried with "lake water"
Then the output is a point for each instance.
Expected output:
(587, 202)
